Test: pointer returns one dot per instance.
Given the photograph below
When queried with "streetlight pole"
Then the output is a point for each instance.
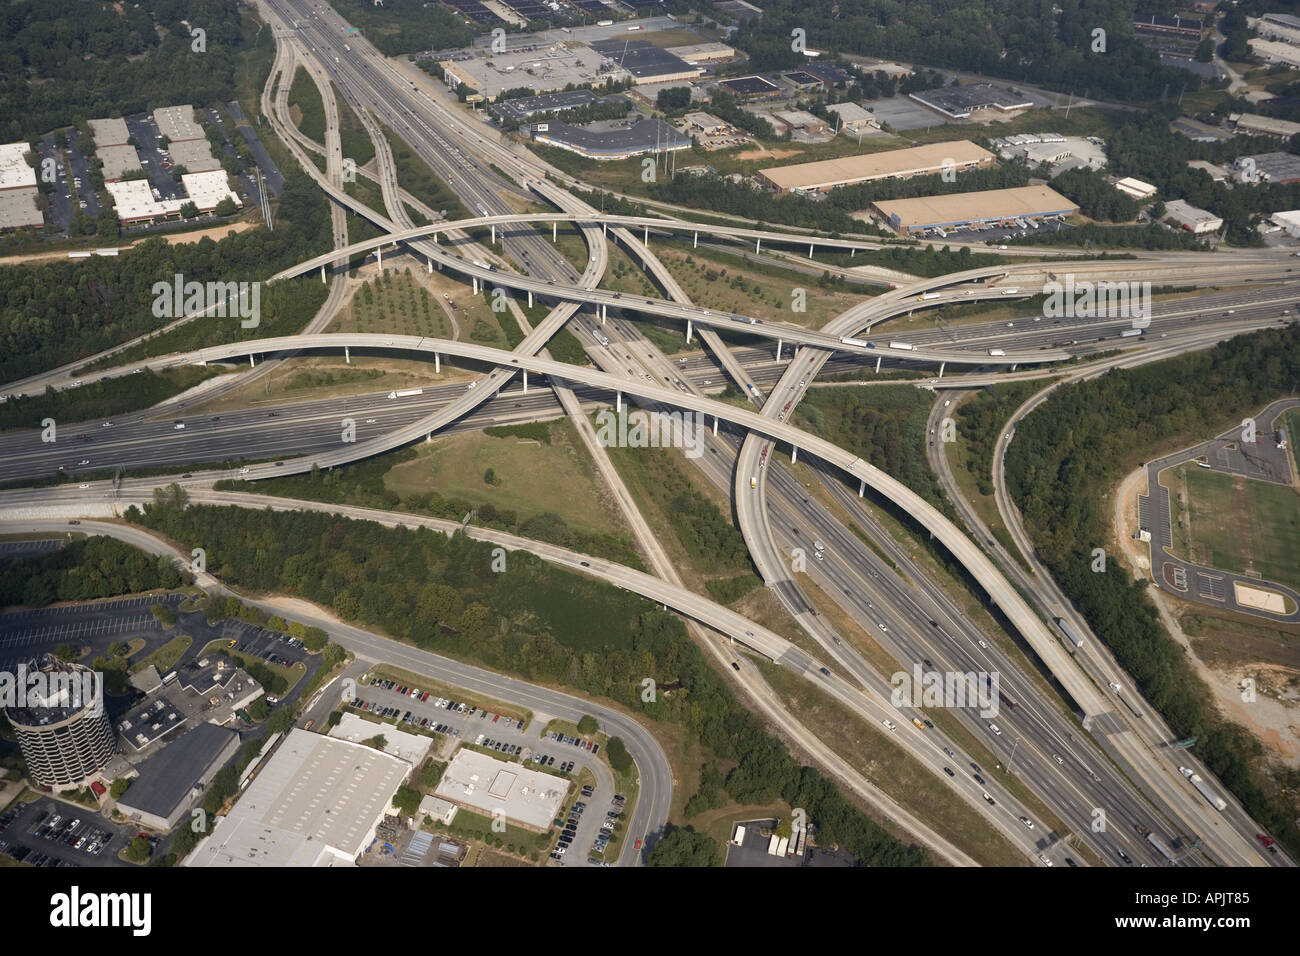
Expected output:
(1012, 758)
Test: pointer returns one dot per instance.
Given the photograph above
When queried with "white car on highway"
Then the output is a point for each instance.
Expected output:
(889, 724)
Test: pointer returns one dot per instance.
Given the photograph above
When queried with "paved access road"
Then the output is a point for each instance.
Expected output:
(1226, 454)
(651, 813)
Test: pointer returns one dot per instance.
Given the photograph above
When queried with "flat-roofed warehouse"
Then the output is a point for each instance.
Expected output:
(18, 192)
(194, 154)
(960, 101)
(963, 209)
(177, 123)
(118, 161)
(528, 797)
(646, 62)
(750, 86)
(316, 801)
(894, 163)
(1280, 168)
(648, 136)
(702, 52)
(171, 778)
(109, 132)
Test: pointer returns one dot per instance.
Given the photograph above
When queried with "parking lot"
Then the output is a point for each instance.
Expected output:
(50, 833)
(27, 634)
(587, 827)
(583, 829)
(265, 645)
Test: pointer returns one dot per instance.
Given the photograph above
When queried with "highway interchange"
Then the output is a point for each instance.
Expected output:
(1105, 768)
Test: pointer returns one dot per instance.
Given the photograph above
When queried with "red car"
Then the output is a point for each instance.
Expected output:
(637, 846)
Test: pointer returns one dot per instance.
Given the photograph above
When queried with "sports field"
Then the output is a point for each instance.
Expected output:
(1236, 524)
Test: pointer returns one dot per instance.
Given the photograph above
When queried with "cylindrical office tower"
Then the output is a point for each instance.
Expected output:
(58, 715)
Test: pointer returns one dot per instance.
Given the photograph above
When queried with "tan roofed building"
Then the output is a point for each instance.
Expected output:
(900, 163)
(956, 210)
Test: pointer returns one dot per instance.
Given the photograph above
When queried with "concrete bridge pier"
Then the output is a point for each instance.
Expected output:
(525, 381)
(347, 354)
(322, 276)
(555, 232)
(695, 243)
(862, 487)
(878, 358)
(942, 366)
(437, 364)
(779, 343)
(530, 298)
(689, 328)
(794, 454)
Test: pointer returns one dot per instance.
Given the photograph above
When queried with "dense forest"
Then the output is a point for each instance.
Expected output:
(68, 60)
(82, 570)
(1031, 41)
(543, 623)
(57, 312)
(1066, 458)
(884, 425)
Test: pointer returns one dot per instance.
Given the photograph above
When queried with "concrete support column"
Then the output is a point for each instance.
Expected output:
(604, 311)
(604, 227)
(494, 232)
(1013, 366)
(715, 424)
(695, 243)
(618, 401)
(530, 298)
(437, 364)
(779, 343)
(379, 254)
(862, 487)
(347, 354)
(645, 237)
(474, 281)
(431, 264)
(525, 381)
(758, 245)
(942, 366)
(810, 250)
(689, 328)
(794, 454)
(878, 358)
(322, 276)
(555, 232)
(251, 361)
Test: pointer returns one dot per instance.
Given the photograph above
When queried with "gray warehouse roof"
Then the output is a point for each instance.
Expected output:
(167, 776)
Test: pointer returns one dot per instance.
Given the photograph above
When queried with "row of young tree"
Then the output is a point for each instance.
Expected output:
(543, 623)
(1066, 459)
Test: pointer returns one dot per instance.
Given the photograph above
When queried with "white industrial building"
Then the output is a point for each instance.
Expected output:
(177, 123)
(17, 188)
(1288, 220)
(317, 801)
(526, 796)
(1135, 188)
(1191, 218)
(412, 748)
(207, 189)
